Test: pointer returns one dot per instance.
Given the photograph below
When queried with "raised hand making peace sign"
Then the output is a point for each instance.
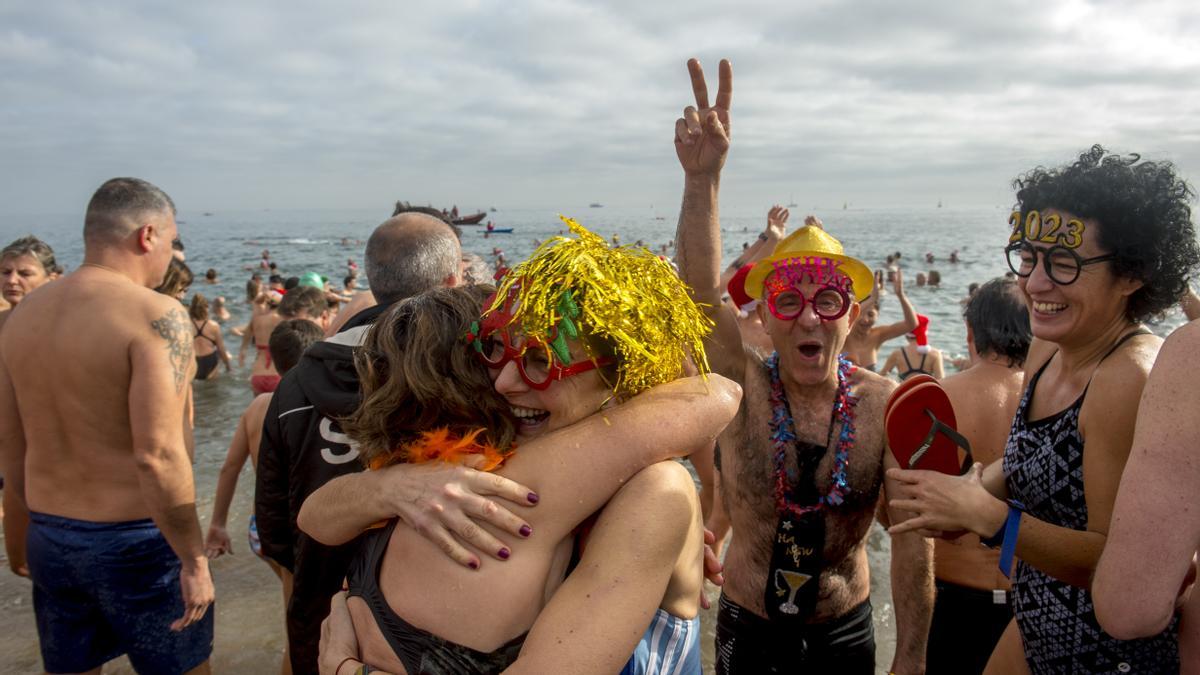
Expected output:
(702, 134)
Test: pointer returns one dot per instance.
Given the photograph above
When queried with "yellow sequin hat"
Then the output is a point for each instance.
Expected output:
(625, 296)
(811, 241)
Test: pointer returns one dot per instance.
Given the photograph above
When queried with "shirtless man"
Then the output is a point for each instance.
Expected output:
(865, 338)
(772, 617)
(94, 385)
(972, 608)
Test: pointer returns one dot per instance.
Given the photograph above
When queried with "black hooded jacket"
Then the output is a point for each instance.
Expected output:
(302, 448)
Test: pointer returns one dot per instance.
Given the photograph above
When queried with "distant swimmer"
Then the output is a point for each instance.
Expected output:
(208, 343)
(95, 374)
(866, 337)
(177, 280)
(219, 311)
(210, 277)
(263, 376)
(916, 357)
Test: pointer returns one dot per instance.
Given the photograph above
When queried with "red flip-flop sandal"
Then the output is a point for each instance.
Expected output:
(902, 389)
(920, 428)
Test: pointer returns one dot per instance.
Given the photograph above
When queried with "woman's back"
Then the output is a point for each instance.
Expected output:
(206, 334)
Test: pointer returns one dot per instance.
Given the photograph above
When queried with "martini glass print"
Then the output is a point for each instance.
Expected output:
(793, 580)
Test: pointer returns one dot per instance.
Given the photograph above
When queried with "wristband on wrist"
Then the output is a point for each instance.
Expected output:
(1006, 537)
(762, 236)
(338, 670)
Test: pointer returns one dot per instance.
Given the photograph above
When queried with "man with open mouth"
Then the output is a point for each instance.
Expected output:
(804, 458)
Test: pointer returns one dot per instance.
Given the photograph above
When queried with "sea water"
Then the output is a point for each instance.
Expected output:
(249, 608)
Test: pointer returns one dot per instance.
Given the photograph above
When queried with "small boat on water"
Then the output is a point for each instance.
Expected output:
(473, 219)
(595, 205)
(497, 230)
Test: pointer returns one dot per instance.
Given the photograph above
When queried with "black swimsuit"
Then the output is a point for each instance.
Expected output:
(207, 363)
(421, 652)
(1043, 468)
(912, 371)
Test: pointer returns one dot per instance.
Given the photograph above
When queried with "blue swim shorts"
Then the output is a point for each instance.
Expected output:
(105, 589)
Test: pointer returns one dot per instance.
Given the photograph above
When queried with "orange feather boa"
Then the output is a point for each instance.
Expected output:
(443, 445)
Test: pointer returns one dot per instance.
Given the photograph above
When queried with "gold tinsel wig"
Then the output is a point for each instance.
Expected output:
(625, 296)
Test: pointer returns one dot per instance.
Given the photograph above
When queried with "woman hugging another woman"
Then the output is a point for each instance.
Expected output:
(566, 382)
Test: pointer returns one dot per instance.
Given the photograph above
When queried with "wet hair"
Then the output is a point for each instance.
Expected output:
(291, 283)
(253, 288)
(198, 310)
(275, 279)
(289, 340)
(477, 270)
(177, 279)
(935, 277)
(350, 278)
(999, 321)
(303, 302)
(1145, 217)
(118, 205)
(210, 274)
(404, 259)
(34, 248)
(417, 374)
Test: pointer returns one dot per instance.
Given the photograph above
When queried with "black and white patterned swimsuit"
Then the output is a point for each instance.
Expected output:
(1043, 467)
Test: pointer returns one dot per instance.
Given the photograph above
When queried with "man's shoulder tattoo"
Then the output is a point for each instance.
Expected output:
(172, 327)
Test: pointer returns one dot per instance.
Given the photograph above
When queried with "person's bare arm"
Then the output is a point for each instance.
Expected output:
(701, 143)
(247, 340)
(763, 246)
(625, 568)
(162, 364)
(574, 469)
(882, 334)
(221, 348)
(1155, 505)
(444, 502)
(12, 461)
(892, 363)
(217, 541)
(939, 366)
(912, 585)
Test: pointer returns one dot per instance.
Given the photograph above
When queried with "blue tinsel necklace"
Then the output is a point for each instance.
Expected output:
(783, 435)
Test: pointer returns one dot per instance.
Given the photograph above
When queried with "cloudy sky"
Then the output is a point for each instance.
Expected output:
(235, 104)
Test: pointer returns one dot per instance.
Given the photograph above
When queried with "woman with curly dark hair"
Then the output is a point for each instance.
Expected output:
(1098, 247)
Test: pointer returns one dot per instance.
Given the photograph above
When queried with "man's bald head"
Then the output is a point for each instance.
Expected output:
(409, 254)
(120, 207)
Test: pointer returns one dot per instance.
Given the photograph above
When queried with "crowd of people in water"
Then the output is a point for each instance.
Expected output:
(466, 467)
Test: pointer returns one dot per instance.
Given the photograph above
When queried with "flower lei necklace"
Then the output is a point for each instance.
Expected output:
(783, 435)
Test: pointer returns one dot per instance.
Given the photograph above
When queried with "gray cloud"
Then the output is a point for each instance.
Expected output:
(232, 104)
